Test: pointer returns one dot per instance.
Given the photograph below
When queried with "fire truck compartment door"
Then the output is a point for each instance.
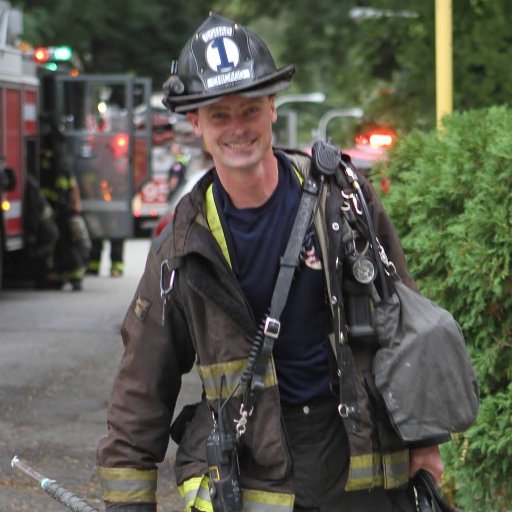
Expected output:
(102, 147)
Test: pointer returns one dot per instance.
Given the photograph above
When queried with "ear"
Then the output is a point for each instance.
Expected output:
(273, 108)
(193, 119)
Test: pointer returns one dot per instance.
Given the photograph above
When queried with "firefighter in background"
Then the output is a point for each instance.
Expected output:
(116, 257)
(177, 170)
(163, 136)
(61, 190)
(109, 187)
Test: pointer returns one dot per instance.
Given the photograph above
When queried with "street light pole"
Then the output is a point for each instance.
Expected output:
(331, 114)
(312, 97)
(444, 60)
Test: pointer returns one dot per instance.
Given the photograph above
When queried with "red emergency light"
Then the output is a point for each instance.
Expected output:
(41, 55)
(120, 144)
(379, 138)
(48, 54)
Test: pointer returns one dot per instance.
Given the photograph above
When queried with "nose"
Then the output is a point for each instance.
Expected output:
(239, 126)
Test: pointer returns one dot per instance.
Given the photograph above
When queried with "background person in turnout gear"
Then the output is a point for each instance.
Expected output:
(204, 294)
(61, 190)
(116, 257)
(177, 171)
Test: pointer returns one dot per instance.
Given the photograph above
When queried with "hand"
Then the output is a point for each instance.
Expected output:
(426, 458)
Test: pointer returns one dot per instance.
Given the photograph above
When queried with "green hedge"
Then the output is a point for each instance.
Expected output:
(451, 201)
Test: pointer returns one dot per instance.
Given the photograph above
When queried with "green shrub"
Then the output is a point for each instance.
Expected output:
(451, 201)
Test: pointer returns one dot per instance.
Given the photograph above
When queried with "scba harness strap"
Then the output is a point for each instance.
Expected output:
(270, 330)
(326, 161)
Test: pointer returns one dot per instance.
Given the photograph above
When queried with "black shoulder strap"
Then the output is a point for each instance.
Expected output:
(289, 262)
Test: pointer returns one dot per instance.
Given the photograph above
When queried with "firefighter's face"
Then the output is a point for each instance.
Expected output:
(237, 131)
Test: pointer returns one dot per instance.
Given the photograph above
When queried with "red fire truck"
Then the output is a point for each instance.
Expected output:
(19, 93)
(87, 121)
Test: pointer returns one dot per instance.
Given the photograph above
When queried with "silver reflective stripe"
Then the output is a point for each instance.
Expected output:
(128, 485)
(376, 470)
(211, 376)
(260, 501)
(396, 469)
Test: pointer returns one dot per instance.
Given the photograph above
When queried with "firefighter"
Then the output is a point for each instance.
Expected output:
(116, 257)
(61, 190)
(289, 443)
(177, 171)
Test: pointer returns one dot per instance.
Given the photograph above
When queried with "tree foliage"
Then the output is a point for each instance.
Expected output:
(384, 64)
(450, 201)
(119, 36)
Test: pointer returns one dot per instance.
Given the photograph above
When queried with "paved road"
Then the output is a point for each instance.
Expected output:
(58, 354)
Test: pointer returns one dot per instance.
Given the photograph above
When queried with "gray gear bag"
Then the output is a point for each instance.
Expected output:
(422, 369)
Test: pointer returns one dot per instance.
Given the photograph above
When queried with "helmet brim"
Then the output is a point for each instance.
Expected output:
(271, 84)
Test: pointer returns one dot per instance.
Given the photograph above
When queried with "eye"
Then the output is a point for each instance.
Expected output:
(219, 115)
(252, 111)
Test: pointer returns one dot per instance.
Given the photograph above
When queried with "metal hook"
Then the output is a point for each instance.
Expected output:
(163, 289)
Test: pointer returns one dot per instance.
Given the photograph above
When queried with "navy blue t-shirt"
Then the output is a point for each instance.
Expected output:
(257, 239)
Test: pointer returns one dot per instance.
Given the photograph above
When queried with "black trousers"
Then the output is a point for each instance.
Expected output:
(116, 249)
(320, 455)
(67, 256)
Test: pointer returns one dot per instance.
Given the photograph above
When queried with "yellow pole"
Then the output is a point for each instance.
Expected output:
(444, 60)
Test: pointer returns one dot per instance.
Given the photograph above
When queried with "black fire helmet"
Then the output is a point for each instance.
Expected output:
(223, 58)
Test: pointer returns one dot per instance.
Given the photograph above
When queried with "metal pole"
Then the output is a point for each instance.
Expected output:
(444, 60)
(331, 114)
(292, 129)
(312, 97)
(51, 487)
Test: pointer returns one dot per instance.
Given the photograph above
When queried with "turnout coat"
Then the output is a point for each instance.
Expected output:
(189, 310)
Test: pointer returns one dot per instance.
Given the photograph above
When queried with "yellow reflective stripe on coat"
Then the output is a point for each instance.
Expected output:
(128, 485)
(195, 493)
(396, 469)
(376, 470)
(216, 387)
(212, 216)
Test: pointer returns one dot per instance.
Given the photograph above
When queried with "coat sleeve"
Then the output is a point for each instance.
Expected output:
(144, 395)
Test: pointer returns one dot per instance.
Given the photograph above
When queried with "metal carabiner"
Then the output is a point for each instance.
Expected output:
(165, 290)
(345, 206)
(241, 423)
(347, 198)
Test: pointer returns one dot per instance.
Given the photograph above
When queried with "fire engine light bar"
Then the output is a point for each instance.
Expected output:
(41, 55)
(62, 53)
(380, 140)
(47, 54)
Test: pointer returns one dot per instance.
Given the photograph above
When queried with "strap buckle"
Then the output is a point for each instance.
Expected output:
(272, 327)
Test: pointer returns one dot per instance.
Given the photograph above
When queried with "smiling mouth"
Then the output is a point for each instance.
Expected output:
(240, 145)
